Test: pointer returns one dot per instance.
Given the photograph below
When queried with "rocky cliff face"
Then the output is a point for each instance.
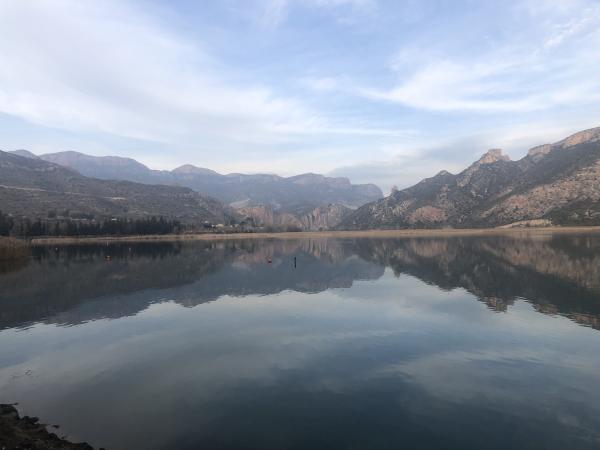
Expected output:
(557, 182)
(325, 217)
(264, 216)
(320, 218)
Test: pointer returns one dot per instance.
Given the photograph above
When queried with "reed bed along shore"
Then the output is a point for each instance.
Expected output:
(315, 235)
(11, 248)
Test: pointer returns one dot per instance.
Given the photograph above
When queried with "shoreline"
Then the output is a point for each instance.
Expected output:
(18, 431)
(404, 233)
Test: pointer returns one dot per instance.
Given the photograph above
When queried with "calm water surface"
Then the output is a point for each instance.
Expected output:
(451, 343)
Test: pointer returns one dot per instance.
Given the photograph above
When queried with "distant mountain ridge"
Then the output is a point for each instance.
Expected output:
(554, 183)
(25, 154)
(298, 194)
(31, 187)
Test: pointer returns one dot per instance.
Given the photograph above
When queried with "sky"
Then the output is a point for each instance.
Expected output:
(379, 91)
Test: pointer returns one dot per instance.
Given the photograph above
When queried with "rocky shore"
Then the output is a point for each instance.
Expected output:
(28, 433)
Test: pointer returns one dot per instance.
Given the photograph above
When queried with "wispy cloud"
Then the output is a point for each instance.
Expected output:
(516, 76)
(109, 67)
(273, 13)
(492, 86)
(348, 9)
(321, 84)
(295, 85)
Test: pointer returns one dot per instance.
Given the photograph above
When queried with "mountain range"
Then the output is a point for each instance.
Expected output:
(307, 201)
(553, 184)
(33, 188)
(297, 195)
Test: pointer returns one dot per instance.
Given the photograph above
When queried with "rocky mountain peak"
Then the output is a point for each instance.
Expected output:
(493, 155)
(24, 154)
(78, 161)
(582, 137)
(191, 169)
(540, 150)
(553, 184)
(591, 135)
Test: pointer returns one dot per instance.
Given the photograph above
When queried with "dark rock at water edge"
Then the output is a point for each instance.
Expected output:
(28, 433)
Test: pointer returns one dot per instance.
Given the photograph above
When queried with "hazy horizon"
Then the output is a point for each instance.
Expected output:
(377, 91)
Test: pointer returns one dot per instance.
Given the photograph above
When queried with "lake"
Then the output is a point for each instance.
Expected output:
(452, 342)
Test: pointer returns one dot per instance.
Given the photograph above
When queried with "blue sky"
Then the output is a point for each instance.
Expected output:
(380, 91)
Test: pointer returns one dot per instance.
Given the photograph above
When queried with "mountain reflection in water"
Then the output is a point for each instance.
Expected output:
(72, 284)
(420, 343)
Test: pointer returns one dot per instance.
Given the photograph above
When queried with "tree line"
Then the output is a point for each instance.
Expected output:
(6, 224)
(29, 228)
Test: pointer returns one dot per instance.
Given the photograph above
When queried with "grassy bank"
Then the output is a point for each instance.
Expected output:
(13, 249)
(315, 234)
